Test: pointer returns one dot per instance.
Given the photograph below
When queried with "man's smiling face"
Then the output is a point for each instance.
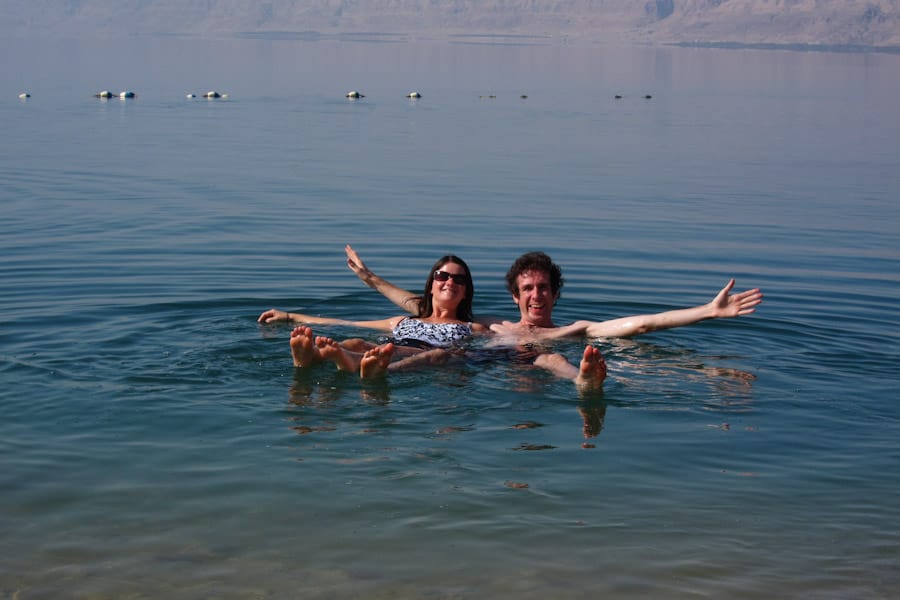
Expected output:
(535, 298)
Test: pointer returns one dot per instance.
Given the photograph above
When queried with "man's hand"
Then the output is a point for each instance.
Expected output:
(724, 305)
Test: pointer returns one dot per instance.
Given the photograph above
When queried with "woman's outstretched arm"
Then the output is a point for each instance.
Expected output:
(403, 298)
(274, 315)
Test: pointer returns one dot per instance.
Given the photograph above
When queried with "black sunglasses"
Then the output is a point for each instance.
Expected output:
(458, 278)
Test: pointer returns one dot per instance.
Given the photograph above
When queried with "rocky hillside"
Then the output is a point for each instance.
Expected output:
(832, 22)
(839, 22)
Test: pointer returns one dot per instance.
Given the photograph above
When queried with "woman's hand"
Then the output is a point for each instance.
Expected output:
(355, 263)
(273, 316)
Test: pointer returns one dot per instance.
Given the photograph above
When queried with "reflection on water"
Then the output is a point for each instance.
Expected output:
(321, 397)
(594, 414)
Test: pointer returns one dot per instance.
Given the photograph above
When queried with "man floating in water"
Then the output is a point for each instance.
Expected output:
(535, 283)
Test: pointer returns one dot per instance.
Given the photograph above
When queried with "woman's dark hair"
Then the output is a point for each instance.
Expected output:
(464, 310)
(538, 262)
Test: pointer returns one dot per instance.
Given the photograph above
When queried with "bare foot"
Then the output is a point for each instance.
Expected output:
(375, 362)
(302, 348)
(331, 350)
(592, 371)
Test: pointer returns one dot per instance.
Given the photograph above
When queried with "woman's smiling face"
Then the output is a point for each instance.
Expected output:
(453, 288)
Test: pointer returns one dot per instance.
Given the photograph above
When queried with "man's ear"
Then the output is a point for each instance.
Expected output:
(515, 299)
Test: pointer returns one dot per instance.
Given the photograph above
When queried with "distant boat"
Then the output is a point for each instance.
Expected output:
(191, 96)
(647, 97)
(126, 94)
(212, 94)
(618, 96)
(354, 94)
(414, 95)
(24, 96)
(103, 94)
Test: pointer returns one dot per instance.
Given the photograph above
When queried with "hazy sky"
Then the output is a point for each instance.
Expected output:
(866, 22)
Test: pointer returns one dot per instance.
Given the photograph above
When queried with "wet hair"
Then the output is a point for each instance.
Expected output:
(539, 262)
(464, 310)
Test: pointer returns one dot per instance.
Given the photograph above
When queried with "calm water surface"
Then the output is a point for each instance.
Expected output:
(156, 442)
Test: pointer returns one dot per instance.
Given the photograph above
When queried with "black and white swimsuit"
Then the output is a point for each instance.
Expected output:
(420, 334)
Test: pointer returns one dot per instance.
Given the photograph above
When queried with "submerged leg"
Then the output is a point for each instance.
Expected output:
(589, 375)
(357, 345)
(426, 358)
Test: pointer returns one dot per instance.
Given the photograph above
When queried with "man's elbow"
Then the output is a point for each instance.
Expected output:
(620, 330)
(642, 329)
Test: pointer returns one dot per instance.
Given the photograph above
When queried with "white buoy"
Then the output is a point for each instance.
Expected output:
(414, 95)
(24, 96)
(103, 94)
(354, 94)
(126, 94)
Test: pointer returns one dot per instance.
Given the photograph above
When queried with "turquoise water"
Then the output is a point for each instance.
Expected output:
(156, 442)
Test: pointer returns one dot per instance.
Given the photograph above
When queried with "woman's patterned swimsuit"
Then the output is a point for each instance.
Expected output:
(419, 334)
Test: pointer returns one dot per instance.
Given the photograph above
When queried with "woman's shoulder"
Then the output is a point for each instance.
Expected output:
(396, 321)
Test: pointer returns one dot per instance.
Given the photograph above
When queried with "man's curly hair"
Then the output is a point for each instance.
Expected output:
(534, 261)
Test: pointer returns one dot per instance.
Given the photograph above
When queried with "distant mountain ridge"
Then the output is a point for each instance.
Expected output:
(821, 22)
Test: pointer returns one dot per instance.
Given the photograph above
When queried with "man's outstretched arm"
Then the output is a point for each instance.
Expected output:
(399, 296)
(723, 306)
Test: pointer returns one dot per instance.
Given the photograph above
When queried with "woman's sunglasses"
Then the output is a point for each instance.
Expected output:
(458, 278)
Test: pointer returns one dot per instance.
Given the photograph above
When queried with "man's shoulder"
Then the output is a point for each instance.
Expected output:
(535, 332)
(489, 321)
(501, 326)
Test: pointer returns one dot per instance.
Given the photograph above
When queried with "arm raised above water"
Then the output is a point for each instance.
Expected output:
(723, 306)
(403, 298)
